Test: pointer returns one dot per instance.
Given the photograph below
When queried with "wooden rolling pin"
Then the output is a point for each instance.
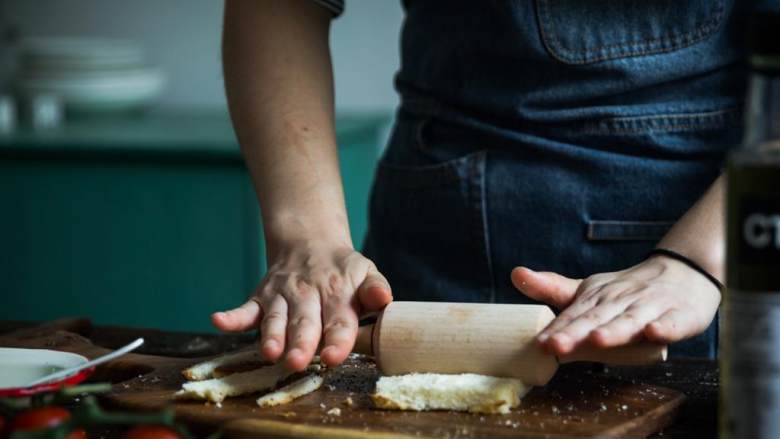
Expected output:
(488, 339)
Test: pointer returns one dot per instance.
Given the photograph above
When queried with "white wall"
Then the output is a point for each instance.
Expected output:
(182, 36)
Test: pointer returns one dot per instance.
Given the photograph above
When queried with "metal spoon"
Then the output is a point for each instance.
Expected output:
(99, 360)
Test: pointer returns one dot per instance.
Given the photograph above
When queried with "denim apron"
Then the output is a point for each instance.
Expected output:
(563, 135)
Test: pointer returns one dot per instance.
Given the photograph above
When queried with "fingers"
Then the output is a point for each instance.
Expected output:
(582, 305)
(340, 329)
(273, 328)
(564, 337)
(303, 329)
(547, 287)
(374, 293)
(625, 327)
(242, 318)
(672, 326)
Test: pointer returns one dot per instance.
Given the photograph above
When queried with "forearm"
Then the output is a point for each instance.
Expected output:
(699, 234)
(278, 80)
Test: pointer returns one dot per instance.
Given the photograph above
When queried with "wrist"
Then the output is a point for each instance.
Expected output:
(707, 255)
(286, 231)
(671, 256)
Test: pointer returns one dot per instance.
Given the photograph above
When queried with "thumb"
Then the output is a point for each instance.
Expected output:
(242, 318)
(547, 287)
(374, 293)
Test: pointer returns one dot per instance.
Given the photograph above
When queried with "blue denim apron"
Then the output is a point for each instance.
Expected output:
(563, 135)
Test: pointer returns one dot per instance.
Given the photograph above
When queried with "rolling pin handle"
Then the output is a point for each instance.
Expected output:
(364, 343)
(631, 355)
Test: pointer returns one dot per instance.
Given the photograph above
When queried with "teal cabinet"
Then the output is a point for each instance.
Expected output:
(147, 221)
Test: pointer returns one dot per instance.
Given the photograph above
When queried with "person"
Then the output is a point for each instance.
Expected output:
(540, 152)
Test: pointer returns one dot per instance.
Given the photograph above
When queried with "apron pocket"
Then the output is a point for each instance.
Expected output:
(627, 230)
(588, 31)
(427, 230)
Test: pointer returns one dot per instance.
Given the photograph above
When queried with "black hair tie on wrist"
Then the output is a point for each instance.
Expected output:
(688, 262)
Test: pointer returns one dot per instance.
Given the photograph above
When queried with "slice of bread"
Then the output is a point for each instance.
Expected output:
(464, 392)
(292, 391)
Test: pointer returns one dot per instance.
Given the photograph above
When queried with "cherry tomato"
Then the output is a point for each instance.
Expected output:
(77, 434)
(152, 432)
(42, 418)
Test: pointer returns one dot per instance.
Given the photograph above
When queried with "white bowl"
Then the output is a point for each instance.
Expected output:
(18, 367)
(63, 53)
(98, 90)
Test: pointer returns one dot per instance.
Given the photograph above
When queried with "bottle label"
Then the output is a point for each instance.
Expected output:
(759, 232)
(753, 237)
(752, 393)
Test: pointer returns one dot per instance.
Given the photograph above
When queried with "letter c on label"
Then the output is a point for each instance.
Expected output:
(755, 230)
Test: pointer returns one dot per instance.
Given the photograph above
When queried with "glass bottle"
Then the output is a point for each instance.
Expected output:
(750, 341)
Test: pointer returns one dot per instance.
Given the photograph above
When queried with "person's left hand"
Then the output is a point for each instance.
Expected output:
(661, 300)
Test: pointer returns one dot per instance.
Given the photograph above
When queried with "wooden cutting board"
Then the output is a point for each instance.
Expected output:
(578, 403)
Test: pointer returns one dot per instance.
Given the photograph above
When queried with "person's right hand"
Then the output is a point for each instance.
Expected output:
(312, 289)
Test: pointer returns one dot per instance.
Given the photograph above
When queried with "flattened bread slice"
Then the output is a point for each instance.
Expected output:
(205, 370)
(292, 391)
(463, 392)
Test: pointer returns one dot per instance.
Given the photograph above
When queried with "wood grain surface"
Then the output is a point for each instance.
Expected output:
(578, 403)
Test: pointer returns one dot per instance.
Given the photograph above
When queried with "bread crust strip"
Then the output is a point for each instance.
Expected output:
(237, 384)
(205, 370)
(292, 391)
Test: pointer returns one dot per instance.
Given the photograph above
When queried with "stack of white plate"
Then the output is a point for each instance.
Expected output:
(88, 75)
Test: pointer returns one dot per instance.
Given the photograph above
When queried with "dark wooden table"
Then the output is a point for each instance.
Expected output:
(698, 379)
